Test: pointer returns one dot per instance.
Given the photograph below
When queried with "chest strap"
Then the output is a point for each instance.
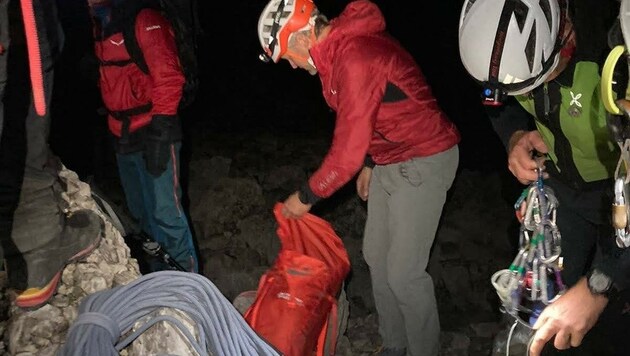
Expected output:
(121, 63)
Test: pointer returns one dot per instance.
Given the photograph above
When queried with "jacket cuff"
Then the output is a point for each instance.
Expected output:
(307, 196)
(369, 162)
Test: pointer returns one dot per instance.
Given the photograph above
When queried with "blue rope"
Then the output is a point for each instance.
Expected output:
(106, 315)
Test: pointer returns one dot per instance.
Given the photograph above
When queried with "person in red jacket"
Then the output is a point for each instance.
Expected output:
(391, 129)
(143, 118)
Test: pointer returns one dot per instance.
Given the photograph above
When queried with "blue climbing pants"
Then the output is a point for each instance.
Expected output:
(156, 203)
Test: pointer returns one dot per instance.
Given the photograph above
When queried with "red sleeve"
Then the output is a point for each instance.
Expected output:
(360, 90)
(157, 42)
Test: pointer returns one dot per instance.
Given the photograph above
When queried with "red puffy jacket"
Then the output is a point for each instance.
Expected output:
(127, 87)
(356, 62)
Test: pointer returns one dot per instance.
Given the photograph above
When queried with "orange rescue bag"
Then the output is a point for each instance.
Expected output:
(296, 297)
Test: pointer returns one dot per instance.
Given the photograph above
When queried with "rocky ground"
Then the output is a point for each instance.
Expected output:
(233, 183)
(234, 180)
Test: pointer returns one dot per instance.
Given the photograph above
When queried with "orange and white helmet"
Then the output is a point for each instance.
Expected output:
(278, 21)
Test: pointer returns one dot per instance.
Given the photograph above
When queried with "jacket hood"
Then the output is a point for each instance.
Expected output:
(360, 17)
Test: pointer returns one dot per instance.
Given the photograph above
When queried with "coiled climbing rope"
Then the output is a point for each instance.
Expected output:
(107, 315)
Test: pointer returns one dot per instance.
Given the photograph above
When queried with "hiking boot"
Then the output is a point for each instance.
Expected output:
(39, 217)
(81, 234)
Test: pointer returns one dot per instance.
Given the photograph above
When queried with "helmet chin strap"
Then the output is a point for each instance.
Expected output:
(307, 59)
(313, 39)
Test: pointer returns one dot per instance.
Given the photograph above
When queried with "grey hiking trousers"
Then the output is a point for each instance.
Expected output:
(404, 208)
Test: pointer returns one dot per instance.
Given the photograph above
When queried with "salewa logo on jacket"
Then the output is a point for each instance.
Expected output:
(151, 28)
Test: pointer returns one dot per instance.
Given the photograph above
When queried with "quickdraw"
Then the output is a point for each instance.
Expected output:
(533, 279)
(620, 213)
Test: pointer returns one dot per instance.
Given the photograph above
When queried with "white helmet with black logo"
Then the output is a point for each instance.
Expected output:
(511, 45)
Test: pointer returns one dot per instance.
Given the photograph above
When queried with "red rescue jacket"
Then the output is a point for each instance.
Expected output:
(127, 87)
(356, 62)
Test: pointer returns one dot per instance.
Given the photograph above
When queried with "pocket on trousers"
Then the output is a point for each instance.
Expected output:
(411, 173)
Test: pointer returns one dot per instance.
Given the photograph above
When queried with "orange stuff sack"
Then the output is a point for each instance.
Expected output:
(298, 293)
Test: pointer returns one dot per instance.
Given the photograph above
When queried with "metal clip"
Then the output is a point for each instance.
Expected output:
(620, 214)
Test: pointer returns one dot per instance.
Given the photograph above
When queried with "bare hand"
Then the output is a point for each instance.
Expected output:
(293, 208)
(569, 318)
(363, 183)
(520, 161)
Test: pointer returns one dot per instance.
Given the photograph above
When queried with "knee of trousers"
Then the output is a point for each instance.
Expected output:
(373, 259)
(376, 249)
(405, 282)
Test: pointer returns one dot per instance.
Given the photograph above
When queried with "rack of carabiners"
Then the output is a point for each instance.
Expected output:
(620, 208)
(533, 279)
(614, 82)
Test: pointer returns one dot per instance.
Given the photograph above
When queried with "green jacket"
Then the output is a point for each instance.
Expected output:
(573, 124)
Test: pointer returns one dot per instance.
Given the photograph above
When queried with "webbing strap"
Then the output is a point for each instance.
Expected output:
(120, 63)
(332, 321)
(125, 117)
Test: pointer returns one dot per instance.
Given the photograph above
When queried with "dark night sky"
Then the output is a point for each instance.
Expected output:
(238, 92)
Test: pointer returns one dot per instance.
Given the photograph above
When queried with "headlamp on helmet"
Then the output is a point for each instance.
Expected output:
(493, 96)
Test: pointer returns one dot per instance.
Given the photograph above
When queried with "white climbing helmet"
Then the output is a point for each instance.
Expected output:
(278, 21)
(512, 45)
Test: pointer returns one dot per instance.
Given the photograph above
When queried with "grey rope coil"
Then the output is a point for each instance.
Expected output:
(107, 315)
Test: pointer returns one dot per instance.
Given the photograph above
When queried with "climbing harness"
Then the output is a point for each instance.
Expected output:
(618, 121)
(533, 279)
(106, 319)
(619, 127)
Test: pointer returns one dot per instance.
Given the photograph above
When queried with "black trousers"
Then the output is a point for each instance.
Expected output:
(583, 218)
(584, 221)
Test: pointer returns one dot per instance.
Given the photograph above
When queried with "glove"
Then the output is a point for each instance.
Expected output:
(163, 131)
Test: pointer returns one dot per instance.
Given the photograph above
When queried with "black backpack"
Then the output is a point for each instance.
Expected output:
(182, 16)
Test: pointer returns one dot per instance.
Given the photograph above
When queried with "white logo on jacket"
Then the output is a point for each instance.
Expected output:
(117, 43)
(151, 28)
(575, 99)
